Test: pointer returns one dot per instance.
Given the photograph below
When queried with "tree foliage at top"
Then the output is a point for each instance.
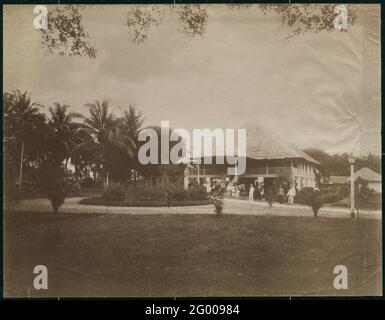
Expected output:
(303, 18)
(66, 35)
(192, 20)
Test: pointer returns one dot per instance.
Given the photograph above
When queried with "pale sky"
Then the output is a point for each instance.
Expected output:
(315, 90)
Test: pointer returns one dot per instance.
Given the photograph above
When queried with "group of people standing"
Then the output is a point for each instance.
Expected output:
(269, 197)
(267, 193)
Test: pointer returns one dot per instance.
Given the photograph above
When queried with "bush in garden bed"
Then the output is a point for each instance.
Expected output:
(168, 192)
(115, 192)
(143, 203)
(328, 196)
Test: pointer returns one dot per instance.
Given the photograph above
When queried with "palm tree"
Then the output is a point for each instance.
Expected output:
(105, 136)
(20, 114)
(65, 128)
(7, 113)
(131, 122)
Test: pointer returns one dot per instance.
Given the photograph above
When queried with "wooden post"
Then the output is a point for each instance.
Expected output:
(352, 209)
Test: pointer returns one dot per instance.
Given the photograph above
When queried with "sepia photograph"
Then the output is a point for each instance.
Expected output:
(192, 150)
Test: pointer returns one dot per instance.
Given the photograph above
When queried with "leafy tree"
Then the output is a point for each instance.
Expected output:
(322, 157)
(66, 35)
(131, 122)
(371, 161)
(55, 183)
(48, 158)
(217, 197)
(7, 114)
(20, 115)
(315, 200)
(284, 179)
(338, 164)
(65, 128)
(160, 172)
(129, 125)
(304, 18)
(105, 137)
(363, 194)
(192, 19)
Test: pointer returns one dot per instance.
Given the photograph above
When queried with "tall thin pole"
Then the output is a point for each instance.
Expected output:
(352, 190)
(21, 165)
(198, 176)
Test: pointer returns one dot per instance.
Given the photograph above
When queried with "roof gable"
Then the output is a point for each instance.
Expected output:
(262, 144)
(367, 174)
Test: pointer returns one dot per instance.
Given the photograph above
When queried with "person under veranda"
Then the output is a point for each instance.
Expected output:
(269, 199)
(251, 193)
(281, 194)
(291, 194)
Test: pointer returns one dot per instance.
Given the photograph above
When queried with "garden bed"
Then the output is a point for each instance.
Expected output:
(99, 201)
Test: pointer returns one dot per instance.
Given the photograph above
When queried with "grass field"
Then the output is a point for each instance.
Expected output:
(190, 255)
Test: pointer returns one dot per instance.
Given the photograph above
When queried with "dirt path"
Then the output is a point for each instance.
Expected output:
(232, 206)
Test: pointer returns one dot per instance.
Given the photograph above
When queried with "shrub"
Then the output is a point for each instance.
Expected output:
(114, 192)
(140, 203)
(143, 191)
(302, 195)
(217, 196)
(363, 193)
(73, 188)
(315, 200)
(55, 184)
(30, 191)
(218, 204)
(180, 195)
(88, 182)
(170, 192)
(332, 197)
(344, 192)
(164, 191)
(195, 192)
(57, 196)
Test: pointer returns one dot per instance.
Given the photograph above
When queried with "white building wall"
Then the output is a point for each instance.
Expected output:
(376, 186)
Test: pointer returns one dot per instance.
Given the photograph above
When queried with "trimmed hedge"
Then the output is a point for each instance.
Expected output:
(153, 192)
(99, 201)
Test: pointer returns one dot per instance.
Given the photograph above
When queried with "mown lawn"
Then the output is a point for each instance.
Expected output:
(190, 255)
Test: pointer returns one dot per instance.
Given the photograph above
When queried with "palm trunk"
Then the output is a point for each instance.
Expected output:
(105, 177)
(66, 166)
(105, 170)
(21, 165)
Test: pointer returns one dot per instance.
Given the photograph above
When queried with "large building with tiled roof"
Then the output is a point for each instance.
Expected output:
(269, 159)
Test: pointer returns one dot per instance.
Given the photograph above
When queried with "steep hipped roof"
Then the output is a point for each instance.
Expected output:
(262, 144)
(367, 174)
